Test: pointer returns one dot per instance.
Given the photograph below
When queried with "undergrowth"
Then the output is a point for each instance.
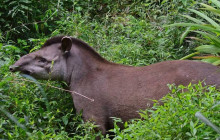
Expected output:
(176, 119)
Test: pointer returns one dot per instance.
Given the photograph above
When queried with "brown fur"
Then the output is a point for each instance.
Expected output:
(118, 90)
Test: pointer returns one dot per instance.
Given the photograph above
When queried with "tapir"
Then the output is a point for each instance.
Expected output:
(118, 90)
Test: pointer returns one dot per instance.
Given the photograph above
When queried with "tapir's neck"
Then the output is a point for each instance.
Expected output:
(82, 65)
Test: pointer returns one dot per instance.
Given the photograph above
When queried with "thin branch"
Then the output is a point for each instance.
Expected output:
(92, 100)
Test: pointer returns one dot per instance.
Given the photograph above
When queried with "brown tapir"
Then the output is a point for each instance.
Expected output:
(118, 90)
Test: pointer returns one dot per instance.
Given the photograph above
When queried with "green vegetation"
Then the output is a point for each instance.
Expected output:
(210, 36)
(176, 118)
(126, 32)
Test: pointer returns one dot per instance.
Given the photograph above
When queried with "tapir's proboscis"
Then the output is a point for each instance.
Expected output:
(118, 90)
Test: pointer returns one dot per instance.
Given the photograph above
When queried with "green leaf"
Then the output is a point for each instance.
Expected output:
(205, 17)
(194, 131)
(217, 3)
(191, 124)
(184, 2)
(211, 37)
(193, 19)
(184, 35)
(199, 39)
(217, 62)
(36, 27)
(210, 8)
(197, 26)
(189, 56)
(208, 49)
(13, 2)
(26, 8)
(189, 134)
(164, 1)
(65, 120)
(217, 19)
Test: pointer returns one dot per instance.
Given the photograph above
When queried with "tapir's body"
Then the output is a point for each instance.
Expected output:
(118, 90)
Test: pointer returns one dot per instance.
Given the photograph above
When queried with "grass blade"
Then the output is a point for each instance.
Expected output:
(208, 49)
(184, 35)
(217, 19)
(197, 26)
(211, 9)
(207, 57)
(211, 37)
(193, 19)
(212, 22)
(189, 56)
(199, 39)
(217, 3)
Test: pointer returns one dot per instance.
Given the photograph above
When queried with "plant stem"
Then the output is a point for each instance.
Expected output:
(190, 55)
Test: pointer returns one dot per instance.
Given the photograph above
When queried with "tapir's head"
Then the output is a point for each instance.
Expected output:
(47, 63)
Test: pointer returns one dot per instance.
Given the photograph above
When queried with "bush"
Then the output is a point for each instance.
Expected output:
(175, 119)
(38, 112)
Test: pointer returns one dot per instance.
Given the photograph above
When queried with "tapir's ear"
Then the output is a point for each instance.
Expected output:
(66, 44)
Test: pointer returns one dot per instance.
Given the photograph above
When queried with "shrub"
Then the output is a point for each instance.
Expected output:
(175, 119)
(38, 112)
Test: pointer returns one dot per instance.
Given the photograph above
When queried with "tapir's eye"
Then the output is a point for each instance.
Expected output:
(42, 60)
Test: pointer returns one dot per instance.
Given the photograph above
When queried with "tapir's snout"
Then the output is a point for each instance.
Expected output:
(21, 65)
(13, 68)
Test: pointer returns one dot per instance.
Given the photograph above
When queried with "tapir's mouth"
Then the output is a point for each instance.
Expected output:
(26, 72)
(16, 68)
(13, 68)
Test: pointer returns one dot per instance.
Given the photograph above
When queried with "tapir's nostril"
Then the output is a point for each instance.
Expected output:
(13, 68)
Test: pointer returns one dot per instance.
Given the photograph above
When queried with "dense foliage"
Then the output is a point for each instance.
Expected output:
(210, 50)
(176, 118)
(127, 32)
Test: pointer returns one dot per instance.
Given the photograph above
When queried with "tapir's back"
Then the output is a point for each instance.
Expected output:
(197, 69)
(194, 71)
(134, 88)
